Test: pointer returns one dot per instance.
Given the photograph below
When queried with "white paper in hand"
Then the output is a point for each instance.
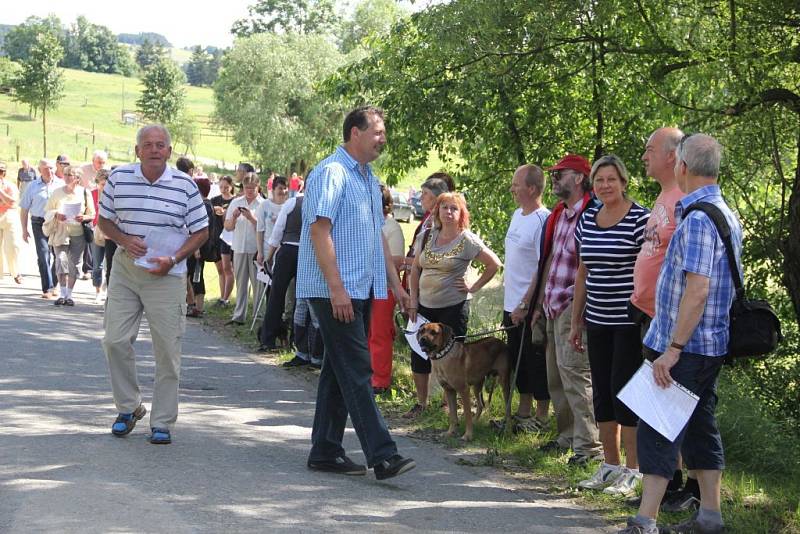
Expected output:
(163, 243)
(411, 337)
(70, 211)
(666, 410)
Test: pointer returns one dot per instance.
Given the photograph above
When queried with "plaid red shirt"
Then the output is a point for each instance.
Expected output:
(560, 286)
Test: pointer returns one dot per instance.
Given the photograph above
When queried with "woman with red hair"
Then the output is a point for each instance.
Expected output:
(438, 287)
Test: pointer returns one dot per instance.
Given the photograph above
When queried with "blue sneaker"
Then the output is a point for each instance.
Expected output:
(160, 436)
(126, 421)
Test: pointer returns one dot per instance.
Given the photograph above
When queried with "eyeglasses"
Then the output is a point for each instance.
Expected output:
(558, 175)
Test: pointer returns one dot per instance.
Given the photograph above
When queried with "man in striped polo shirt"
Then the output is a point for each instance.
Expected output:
(139, 202)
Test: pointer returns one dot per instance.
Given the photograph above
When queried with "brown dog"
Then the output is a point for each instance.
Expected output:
(461, 365)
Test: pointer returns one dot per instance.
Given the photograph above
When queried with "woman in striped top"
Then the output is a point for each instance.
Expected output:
(608, 238)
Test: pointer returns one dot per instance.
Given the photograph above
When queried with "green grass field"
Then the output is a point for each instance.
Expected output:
(93, 104)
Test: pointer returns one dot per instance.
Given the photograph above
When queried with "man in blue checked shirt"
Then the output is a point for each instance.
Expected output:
(688, 340)
(343, 262)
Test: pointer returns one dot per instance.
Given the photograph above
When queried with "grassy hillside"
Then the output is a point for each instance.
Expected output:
(94, 102)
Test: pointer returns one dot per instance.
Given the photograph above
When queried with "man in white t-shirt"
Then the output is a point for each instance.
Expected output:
(523, 241)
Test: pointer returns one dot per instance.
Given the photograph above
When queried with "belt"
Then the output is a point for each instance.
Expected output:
(37, 219)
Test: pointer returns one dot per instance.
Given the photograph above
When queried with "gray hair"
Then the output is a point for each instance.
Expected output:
(160, 127)
(102, 154)
(436, 186)
(610, 161)
(701, 153)
(48, 163)
(672, 138)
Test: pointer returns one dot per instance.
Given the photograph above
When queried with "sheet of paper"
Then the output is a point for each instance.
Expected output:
(411, 335)
(162, 242)
(666, 410)
(262, 275)
(70, 210)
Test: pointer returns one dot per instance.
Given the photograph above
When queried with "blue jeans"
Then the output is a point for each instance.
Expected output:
(345, 387)
(98, 261)
(47, 270)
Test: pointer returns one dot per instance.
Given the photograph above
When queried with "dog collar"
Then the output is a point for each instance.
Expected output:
(445, 350)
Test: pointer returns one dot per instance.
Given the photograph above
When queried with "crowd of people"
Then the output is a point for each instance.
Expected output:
(592, 287)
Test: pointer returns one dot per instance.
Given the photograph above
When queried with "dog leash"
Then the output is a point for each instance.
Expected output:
(399, 317)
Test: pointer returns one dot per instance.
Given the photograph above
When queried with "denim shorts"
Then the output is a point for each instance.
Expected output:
(699, 442)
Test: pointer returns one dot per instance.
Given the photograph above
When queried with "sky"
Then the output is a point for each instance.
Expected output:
(183, 22)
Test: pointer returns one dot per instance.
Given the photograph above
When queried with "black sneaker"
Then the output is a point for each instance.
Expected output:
(341, 465)
(297, 361)
(392, 466)
(681, 501)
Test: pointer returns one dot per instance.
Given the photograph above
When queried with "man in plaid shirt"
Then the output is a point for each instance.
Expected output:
(568, 376)
(688, 340)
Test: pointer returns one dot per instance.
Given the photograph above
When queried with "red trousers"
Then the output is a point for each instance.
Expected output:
(381, 340)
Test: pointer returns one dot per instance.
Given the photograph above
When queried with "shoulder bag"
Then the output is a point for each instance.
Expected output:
(755, 329)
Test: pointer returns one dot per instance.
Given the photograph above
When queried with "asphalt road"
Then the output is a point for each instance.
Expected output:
(237, 462)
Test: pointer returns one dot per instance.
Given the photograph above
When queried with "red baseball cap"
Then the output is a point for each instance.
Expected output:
(573, 162)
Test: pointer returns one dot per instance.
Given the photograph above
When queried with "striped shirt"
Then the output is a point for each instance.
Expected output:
(696, 247)
(138, 206)
(338, 191)
(609, 255)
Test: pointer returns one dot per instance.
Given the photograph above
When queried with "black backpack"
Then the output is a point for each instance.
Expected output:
(755, 329)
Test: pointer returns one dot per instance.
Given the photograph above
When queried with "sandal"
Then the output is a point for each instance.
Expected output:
(126, 421)
(194, 312)
(160, 436)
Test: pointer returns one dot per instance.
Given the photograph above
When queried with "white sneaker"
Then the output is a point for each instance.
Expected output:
(625, 484)
(604, 476)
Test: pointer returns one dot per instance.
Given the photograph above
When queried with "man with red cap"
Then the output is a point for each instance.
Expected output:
(568, 376)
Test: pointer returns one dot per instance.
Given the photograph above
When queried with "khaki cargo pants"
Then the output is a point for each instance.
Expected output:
(133, 292)
(569, 380)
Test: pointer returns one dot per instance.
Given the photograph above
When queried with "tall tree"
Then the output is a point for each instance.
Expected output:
(40, 82)
(92, 48)
(162, 99)
(287, 16)
(149, 53)
(20, 39)
(266, 94)
(371, 19)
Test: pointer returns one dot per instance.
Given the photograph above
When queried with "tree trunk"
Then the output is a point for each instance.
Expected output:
(791, 246)
(44, 131)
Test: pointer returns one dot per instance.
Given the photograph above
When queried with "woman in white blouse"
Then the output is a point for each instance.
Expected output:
(240, 219)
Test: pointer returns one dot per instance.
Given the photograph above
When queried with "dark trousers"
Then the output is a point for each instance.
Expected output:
(88, 259)
(615, 354)
(111, 248)
(47, 268)
(345, 387)
(282, 273)
(699, 442)
(532, 373)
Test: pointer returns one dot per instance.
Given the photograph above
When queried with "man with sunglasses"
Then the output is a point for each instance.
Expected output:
(568, 375)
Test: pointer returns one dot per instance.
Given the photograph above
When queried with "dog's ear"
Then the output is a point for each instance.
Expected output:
(447, 332)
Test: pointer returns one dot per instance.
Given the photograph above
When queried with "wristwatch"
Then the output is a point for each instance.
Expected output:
(523, 305)
(676, 345)
(174, 260)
